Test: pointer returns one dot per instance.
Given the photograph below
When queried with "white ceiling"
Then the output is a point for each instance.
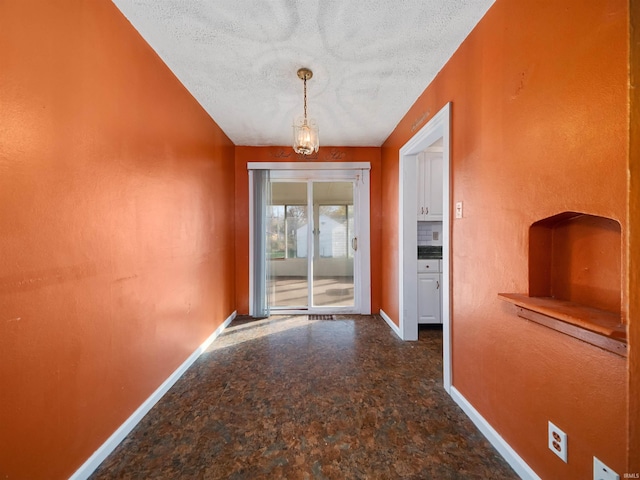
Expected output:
(370, 59)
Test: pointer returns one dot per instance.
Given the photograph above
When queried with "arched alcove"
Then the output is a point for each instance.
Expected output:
(575, 279)
(576, 257)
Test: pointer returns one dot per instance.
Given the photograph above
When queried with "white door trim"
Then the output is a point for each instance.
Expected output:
(439, 126)
(328, 171)
(309, 165)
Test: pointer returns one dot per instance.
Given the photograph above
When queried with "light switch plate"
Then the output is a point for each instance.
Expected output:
(458, 209)
(602, 472)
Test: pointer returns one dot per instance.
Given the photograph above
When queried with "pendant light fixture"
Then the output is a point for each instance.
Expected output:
(305, 130)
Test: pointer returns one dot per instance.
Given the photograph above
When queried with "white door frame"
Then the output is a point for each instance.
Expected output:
(328, 171)
(438, 127)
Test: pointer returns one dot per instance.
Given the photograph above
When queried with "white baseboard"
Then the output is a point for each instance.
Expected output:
(509, 454)
(393, 326)
(94, 461)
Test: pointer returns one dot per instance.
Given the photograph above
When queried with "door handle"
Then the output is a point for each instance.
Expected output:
(437, 284)
(354, 244)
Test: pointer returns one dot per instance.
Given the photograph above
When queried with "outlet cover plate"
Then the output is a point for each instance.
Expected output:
(602, 472)
(558, 442)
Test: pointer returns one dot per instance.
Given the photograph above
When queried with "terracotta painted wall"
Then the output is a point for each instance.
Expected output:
(634, 241)
(286, 154)
(539, 126)
(116, 230)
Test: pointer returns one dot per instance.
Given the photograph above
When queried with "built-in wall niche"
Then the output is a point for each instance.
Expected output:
(575, 279)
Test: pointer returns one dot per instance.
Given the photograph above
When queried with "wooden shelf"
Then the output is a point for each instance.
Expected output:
(597, 327)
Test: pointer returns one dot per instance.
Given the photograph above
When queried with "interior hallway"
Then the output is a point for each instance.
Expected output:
(290, 397)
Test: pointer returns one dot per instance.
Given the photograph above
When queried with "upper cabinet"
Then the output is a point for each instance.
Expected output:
(429, 186)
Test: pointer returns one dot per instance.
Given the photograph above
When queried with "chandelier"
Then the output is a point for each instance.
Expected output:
(305, 130)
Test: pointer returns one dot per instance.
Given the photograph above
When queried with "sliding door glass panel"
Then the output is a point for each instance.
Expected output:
(289, 234)
(333, 240)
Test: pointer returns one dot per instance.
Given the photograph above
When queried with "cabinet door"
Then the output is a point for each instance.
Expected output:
(435, 188)
(423, 186)
(429, 298)
(429, 186)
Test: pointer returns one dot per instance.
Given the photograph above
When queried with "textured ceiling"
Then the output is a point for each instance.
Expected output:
(370, 59)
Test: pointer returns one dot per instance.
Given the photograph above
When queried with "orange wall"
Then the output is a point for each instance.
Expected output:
(539, 127)
(116, 230)
(634, 244)
(286, 154)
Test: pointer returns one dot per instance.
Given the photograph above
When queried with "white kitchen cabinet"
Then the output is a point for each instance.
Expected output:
(429, 291)
(429, 186)
(429, 303)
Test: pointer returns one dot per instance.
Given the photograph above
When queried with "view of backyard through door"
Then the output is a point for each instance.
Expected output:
(312, 245)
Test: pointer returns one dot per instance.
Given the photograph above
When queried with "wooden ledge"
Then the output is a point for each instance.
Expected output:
(597, 327)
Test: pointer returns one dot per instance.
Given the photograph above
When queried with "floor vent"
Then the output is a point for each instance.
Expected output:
(322, 317)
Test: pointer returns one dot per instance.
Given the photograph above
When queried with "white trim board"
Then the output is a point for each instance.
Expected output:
(308, 165)
(516, 462)
(438, 127)
(94, 461)
(393, 326)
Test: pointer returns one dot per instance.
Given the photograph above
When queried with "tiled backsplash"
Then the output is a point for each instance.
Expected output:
(429, 233)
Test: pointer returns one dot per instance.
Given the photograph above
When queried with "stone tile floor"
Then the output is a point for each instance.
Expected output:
(292, 398)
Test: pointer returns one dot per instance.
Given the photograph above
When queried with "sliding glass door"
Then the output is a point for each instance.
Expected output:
(288, 233)
(313, 242)
(334, 244)
(316, 236)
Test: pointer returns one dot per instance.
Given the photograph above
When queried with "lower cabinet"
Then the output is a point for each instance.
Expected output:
(429, 298)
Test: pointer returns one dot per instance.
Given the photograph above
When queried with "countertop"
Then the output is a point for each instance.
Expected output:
(429, 252)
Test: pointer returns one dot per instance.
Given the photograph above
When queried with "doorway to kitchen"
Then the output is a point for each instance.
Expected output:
(435, 135)
(315, 254)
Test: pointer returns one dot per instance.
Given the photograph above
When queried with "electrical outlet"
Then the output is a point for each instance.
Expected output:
(602, 472)
(558, 442)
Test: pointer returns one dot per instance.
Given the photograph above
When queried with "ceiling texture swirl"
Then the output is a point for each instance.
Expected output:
(370, 60)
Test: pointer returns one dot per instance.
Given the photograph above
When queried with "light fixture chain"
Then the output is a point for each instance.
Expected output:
(305, 100)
